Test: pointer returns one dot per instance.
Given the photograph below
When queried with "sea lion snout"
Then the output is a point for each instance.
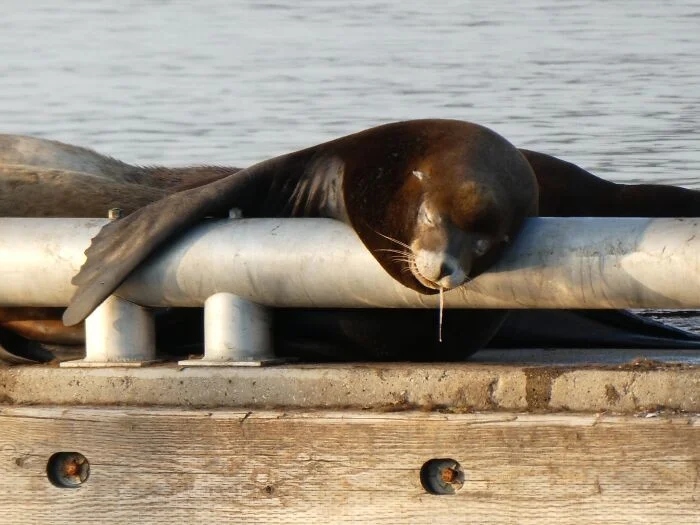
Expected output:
(445, 259)
(438, 269)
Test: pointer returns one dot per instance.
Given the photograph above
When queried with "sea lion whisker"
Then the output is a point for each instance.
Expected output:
(407, 261)
(393, 240)
(402, 252)
(404, 256)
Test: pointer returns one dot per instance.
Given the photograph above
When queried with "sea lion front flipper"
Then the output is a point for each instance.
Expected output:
(125, 243)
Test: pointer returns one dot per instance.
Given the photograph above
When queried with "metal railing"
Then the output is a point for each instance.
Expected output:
(554, 263)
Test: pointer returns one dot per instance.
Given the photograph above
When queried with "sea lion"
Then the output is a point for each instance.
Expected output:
(434, 201)
(46, 178)
(352, 334)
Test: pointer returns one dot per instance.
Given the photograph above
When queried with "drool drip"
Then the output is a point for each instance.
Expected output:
(442, 307)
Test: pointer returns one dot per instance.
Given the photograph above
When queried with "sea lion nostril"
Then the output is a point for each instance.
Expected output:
(445, 271)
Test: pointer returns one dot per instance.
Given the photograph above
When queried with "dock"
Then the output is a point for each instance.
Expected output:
(516, 437)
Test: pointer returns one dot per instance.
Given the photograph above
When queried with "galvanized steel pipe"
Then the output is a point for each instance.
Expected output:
(554, 263)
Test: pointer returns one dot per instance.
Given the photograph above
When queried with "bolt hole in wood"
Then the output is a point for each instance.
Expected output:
(68, 470)
(441, 476)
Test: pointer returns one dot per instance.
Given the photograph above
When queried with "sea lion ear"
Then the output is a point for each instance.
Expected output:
(419, 175)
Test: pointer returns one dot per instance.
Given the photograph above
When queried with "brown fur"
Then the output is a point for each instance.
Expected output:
(41, 324)
(45, 178)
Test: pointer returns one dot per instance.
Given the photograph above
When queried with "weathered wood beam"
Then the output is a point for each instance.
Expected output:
(165, 466)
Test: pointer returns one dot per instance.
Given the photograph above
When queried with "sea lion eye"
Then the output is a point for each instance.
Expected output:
(481, 246)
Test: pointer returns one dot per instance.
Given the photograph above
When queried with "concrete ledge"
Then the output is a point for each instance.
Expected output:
(640, 386)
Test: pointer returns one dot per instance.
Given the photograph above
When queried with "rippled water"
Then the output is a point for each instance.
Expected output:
(613, 86)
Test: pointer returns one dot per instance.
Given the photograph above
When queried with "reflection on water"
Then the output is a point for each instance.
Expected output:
(610, 85)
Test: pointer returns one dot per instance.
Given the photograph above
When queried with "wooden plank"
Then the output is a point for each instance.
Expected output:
(227, 466)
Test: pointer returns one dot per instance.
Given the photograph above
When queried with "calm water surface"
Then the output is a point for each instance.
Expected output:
(613, 86)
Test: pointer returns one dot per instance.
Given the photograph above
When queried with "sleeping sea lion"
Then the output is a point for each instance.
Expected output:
(394, 192)
(444, 195)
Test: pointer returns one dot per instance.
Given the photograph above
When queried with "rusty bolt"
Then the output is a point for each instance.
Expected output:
(441, 476)
(68, 469)
(448, 475)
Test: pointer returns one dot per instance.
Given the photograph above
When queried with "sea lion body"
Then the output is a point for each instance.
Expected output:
(475, 187)
(567, 190)
(437, 187)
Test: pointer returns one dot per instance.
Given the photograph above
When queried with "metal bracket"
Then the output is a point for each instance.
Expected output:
(236, 333)
(118, 333)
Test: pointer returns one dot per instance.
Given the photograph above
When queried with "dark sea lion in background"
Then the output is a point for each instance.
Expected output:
(46, 178)
(566, 190)
(352, 334)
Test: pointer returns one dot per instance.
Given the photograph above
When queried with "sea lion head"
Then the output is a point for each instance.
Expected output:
(452, 231)
(442, 210)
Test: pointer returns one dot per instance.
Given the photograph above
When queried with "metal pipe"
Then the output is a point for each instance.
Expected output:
(554, 263)
(39, 257)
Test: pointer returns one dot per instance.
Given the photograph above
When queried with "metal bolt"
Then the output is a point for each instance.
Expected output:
(68, 469)
(442, 476)
(448, 475)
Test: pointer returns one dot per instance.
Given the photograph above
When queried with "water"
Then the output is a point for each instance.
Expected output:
(613, 86)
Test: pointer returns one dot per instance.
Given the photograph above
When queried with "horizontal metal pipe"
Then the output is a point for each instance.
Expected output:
(554, 263)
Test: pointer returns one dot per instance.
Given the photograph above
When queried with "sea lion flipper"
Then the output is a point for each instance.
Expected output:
(125, 243)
